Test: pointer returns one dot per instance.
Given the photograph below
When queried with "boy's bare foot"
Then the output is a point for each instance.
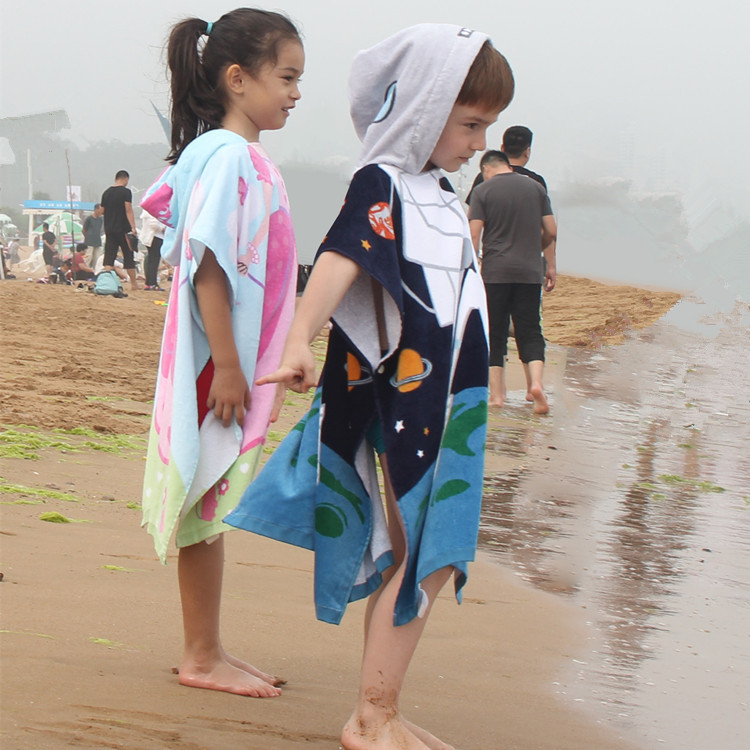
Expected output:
(226, 677)
(540, 400)
(393, 732)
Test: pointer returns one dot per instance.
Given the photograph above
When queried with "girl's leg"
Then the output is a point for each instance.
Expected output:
(205, 664)
(376, 721)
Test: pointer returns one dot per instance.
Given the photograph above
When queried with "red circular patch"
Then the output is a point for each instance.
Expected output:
(381, 220)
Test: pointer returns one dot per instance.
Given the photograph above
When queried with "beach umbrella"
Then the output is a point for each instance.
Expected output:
(8, 229)
(5, 219)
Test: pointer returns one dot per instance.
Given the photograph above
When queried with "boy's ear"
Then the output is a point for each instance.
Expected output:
(234, 78)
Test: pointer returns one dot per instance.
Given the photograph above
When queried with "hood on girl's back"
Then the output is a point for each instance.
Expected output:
(402, 90)
(163, 200)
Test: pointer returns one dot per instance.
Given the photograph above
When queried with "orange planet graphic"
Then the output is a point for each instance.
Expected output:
(411, 371)
(355, 373)
(381, 220)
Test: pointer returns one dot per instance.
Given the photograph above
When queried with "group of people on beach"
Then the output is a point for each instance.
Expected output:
(406, 372)
(114, 218)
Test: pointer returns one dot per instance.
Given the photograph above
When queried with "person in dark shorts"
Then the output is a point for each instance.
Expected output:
(119, 226)
(51, 255)
(513, 217)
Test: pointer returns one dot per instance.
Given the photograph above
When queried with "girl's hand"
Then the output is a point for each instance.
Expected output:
(229, 395)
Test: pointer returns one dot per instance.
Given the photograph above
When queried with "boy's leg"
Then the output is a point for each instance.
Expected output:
(205, 664)
(376, 721)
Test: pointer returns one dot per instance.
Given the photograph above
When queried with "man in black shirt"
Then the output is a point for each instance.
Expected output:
(119, 224)
(50, 254)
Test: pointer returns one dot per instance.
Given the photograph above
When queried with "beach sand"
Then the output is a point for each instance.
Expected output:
(91, 625)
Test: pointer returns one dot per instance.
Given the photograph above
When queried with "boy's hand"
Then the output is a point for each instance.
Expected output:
(278, 401)
(229, 395)
(296, 371)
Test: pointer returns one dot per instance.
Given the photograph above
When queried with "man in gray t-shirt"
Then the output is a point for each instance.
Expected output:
(512, 216)
(92, 233)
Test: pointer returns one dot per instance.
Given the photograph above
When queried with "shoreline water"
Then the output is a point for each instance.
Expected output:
(89, 612)
(632, 505)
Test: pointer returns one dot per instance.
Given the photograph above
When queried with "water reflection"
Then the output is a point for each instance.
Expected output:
(633, 499)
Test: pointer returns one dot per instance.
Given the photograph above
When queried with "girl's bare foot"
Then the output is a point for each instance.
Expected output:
(250, 669)
(222, 675)
(429, 739)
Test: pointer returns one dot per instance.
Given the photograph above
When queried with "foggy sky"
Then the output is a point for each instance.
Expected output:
(651, 90)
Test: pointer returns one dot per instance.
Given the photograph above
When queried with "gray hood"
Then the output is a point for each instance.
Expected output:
(402, 90)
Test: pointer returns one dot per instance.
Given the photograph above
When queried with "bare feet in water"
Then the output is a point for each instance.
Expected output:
(541, 406)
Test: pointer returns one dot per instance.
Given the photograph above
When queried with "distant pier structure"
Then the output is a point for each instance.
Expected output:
(31, 156)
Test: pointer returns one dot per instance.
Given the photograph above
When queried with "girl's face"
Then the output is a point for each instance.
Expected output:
(463, 135)
(264, 102)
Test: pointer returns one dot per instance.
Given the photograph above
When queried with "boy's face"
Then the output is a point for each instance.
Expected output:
(463, 135)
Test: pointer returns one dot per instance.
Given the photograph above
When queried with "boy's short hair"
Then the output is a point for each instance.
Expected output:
(122, 174)
(80, 247)
(97, 205)
(489, 82)
(493, 157)
(516, 139)
(45, 225)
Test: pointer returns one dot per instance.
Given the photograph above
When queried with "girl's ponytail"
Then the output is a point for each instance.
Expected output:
(246, 37)
(196, 107)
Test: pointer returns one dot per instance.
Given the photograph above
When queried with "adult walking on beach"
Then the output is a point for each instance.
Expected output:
(92, 233)
(516, 146)
(119, 222)
(511, 220)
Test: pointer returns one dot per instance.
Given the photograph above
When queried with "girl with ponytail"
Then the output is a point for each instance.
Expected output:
(231, 241)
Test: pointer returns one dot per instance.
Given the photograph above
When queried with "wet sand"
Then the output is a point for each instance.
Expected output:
(90, 619)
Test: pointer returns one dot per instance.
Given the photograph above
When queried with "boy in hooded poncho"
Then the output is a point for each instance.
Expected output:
(406, 370)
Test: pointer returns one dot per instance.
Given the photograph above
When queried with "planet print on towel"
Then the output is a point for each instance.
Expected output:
(381, 220)
(355, 373)
(411, 371)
